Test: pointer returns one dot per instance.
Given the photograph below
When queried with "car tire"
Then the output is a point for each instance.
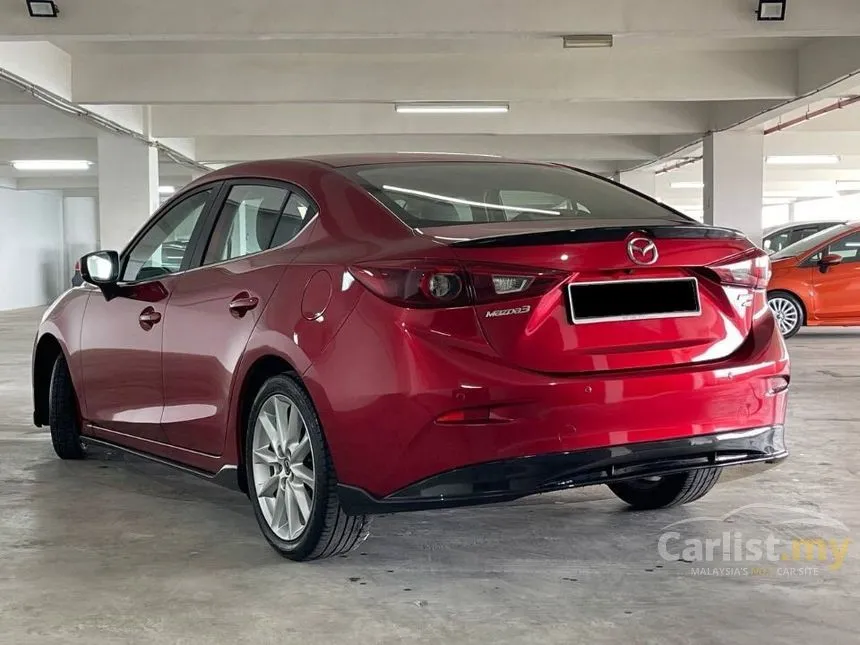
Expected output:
(669, 490)
(291, 478)
(63, 418)
(787, 310)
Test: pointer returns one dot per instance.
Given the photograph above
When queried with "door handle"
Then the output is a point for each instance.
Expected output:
(242, 304)
(148, 318)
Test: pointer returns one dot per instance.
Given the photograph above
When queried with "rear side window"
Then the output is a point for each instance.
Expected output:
(451, 193)
(256, 218)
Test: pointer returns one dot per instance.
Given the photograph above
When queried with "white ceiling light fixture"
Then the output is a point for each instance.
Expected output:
(51, 164)
(846, 186)
(451, 108)
(803, 160)
(42, 9)
(770, 10)
(166, 190)
(687, 184)
(579, 41)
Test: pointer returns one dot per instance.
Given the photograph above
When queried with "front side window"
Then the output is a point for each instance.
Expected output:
(460, 193)
(163, 247)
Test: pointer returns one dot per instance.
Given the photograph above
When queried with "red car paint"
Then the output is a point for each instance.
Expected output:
(405, 393)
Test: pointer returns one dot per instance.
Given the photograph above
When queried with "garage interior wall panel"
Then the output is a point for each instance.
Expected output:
(31, 247)
(80, 230)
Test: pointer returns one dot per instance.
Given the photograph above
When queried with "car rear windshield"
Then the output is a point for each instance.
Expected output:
(808, 243)
(464, 192)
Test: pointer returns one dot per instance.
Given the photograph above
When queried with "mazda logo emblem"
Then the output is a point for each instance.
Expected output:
(642, 251)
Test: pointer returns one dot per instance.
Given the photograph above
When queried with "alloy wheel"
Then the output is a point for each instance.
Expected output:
(283, 466)
(786, 313)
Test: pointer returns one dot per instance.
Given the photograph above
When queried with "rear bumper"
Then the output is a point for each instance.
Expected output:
(511, 479)
(381, 403)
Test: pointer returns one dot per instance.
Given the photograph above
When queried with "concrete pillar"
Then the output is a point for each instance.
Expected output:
(642, 180)
(128, 188)
(734, 177)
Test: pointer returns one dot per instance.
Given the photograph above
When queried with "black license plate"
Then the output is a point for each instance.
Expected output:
(616, 300)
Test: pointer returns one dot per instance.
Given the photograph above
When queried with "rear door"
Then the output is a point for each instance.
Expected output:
(837, 290)
(215, 307)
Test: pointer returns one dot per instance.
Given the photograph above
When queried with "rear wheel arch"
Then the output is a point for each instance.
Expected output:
(48, 349)
(261, 370)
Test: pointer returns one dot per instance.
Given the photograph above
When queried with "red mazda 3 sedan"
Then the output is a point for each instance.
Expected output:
(352, 335)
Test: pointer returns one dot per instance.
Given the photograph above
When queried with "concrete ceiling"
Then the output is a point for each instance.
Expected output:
(227, 81)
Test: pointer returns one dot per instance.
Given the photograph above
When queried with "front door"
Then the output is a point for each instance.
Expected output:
(121, 338)
(837, 291)
(214, 309)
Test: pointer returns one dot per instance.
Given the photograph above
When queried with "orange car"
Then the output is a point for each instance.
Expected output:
(816, 281)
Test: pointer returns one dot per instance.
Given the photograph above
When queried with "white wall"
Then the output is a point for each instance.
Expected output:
(31, 247)
(846, 206)
(80, 230)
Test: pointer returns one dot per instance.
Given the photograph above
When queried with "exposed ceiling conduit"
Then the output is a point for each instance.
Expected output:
(59, 103)
(779, 127)
(852, 99)
(814, 114)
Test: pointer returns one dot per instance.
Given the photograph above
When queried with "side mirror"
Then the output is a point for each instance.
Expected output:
(829, 260)
(100, 268)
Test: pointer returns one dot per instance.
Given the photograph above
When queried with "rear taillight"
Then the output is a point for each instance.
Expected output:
(752, 270)
(422, 285)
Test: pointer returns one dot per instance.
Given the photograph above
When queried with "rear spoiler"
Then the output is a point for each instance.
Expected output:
(602, 234)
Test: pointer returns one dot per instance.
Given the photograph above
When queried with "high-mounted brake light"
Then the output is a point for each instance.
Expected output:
(750, 270)
(426, 284)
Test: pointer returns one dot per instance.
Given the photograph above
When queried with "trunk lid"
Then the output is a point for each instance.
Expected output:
(611, 312)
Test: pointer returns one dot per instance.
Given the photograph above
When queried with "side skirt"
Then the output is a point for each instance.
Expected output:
(227, 476)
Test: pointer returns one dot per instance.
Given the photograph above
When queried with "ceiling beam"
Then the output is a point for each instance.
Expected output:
(827, 60)
(289, 119)
(163, 19)
(323, 78)
(798, 142)
(70, 148)
(40, 122)
(228, 149)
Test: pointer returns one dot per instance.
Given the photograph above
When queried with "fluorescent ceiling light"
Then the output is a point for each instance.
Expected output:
(42, 9)
(166, 190)
(451, 108)
(687, 184)
(575, 41)
(51, 164)
(802, 160)
(771, 10)
(847, 185)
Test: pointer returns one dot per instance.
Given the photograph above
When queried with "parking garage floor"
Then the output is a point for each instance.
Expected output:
(110, 550)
